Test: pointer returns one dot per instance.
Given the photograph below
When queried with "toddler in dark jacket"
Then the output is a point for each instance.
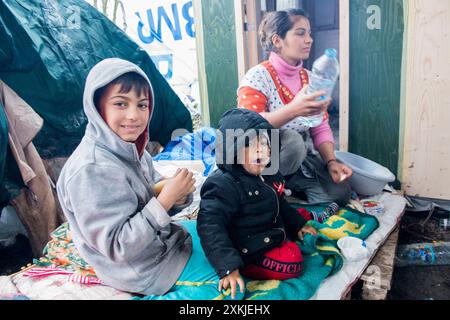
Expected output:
(244, 223)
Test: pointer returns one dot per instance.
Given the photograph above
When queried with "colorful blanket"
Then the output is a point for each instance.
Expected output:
(61, 252)
(321, 255)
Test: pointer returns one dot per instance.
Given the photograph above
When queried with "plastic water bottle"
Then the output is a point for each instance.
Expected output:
(444, 224)
(423, 254)
(325, 72)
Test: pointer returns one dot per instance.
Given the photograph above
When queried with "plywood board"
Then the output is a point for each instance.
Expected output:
(378, 276)
(426, 143)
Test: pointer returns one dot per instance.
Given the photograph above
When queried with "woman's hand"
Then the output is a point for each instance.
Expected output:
(232, 280)
(327, 104)
(306, 230)
(304, 105)
(339, 172)
(177, 188)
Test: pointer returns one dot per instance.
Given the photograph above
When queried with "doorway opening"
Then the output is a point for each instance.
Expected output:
(324, 16)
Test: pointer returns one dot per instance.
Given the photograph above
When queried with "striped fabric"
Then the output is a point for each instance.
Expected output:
(78, 278)
(43, 272)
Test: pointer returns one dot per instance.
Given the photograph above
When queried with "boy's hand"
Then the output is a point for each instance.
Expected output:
(306, 230)
(177, 188)
(181, 201)
(231, 280)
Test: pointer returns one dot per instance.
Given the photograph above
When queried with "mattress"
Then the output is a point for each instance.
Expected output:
(333, 288)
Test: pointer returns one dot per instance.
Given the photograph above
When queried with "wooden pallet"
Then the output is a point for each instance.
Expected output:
(378, 275)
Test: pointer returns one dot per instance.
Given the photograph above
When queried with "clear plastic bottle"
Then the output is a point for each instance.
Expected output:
(444, 224)
(325, 72)
(423, 254)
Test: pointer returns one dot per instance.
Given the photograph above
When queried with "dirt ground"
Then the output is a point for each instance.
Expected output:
(15, 256)
(417, 282)
(409, 283)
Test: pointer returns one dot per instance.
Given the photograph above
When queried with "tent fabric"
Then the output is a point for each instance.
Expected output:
(35, 205)
(23, 125)
(10, 178)
(421, 204)
(199, 145)
(47, 48)
(4, 195)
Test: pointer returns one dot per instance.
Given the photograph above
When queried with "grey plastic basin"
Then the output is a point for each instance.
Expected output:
(369, 178)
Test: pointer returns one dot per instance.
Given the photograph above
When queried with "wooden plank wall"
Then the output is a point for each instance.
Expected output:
(426, 100)
(375, 71)
(217, 37)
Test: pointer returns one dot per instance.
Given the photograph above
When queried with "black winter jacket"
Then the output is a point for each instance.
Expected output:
(241, 215)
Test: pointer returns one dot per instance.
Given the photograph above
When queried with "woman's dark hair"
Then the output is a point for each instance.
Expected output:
(128, 81)
(277, 22)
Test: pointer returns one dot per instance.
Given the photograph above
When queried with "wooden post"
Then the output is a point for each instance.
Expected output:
(344, 47)
(382, 268)
(253, 20)
(242, 61)
(217, 57)
(199, 43)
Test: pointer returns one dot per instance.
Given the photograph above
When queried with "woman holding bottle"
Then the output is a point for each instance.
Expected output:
(277, 89)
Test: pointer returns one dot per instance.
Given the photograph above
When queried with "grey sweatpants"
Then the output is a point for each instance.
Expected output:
(308, 172)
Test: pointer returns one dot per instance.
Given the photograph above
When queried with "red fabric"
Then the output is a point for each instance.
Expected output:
(251, 99)
(285, 94)
(305, 214)
(281, 263)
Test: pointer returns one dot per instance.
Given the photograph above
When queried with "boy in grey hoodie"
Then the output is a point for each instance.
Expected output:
(118, 224)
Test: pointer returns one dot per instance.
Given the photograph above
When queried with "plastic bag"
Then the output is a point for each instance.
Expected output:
(199, 145)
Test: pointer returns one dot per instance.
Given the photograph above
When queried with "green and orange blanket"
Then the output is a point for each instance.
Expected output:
(322, 258)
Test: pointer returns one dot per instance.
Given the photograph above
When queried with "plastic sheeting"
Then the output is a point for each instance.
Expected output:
(418, 204)
(47, 48)
(199, 145)
(10, 177)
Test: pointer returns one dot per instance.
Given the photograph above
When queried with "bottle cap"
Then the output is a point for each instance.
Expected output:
(331, 53)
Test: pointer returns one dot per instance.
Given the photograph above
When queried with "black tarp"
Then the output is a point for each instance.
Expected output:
(4, 197)
(46, 51)
(10, 178)
(47, 48)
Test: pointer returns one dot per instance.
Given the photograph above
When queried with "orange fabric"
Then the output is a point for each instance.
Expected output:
(251, 99)
(285, 94)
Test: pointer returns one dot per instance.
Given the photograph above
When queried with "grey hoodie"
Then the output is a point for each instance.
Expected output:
(105, 190)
